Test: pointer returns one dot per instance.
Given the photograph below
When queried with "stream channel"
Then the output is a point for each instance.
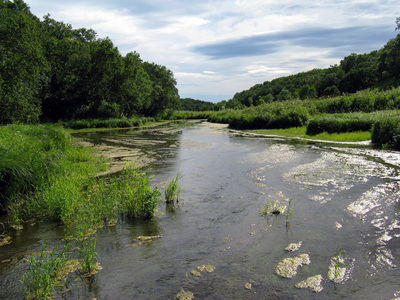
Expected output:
(344, 202)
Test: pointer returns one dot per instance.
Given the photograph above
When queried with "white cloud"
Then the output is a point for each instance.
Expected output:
(167, 32)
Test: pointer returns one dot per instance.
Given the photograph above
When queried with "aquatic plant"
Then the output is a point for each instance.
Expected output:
(289, 213)
(137, 197)
(287, 268)
(41, 276)
(337, 268)
(273, 208)
(88, 256)
(173, 190)
(313, 282)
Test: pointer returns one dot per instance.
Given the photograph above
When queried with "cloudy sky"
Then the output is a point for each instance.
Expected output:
(219, 47)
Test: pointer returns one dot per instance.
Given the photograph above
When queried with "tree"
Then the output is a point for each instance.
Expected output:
(164, 94)
(23, 65)
(135, 86)
(284, 95)
(307, 92)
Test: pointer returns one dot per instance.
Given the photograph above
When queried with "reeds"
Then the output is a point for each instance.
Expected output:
(173, 190)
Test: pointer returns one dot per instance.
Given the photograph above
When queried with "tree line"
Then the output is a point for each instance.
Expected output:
(50, 71)
(378, 69)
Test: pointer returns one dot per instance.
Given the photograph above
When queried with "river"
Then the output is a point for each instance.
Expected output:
(343, 201)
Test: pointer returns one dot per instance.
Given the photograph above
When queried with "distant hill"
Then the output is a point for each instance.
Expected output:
(378, 69)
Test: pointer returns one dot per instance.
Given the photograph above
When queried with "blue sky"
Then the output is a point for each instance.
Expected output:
(220, 47)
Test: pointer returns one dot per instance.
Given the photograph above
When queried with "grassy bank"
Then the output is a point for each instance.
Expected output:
(43, 173)
(373, 111)
(301, 132)
(107, 123)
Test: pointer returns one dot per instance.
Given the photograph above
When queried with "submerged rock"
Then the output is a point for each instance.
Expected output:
(287, 268)
(313, 282)
(294, 246)
(183, 295)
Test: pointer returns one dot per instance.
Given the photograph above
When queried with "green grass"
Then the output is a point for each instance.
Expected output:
(301, 133)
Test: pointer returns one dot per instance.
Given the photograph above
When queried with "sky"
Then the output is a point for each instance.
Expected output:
(216, 48)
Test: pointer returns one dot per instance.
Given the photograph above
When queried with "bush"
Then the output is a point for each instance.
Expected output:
(387, 132)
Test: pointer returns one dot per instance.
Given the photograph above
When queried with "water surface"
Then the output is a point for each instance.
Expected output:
(344, 199)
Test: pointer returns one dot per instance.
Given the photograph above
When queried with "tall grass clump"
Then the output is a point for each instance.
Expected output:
(28, 154)
(173, 190)
(136, 196)
(42, 274)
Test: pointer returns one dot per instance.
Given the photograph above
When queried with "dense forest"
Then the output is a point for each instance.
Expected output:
(189, 104)
(50, 71)
(356, 72)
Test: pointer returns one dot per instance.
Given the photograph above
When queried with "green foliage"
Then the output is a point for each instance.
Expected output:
(173, 190)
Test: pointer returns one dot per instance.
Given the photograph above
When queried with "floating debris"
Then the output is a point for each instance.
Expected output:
(273, 208)
(336, 273)
(195, 273)
(247, 285)
(96, 269)
(338, 225)
(209, 268)
(183, 295)
(294, 246)
(313, 282)
(287, 268)
(147, 238)
(111, 223)
(17, 227)
(69, 267)
(5, 241)
(140, 240)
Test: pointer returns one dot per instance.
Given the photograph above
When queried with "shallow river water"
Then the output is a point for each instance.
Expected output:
(344, 200)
